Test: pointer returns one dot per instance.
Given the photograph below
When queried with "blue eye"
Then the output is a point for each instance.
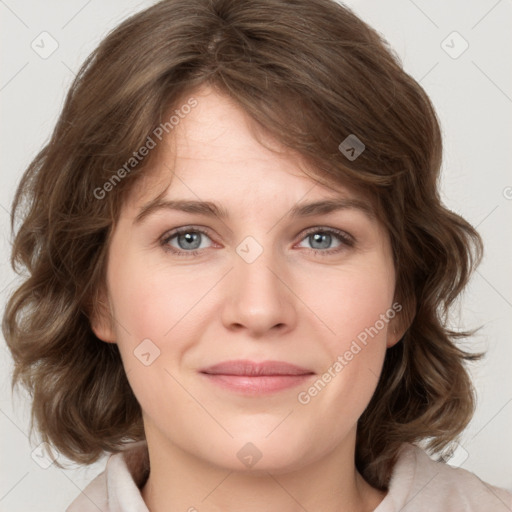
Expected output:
(187, 238)
(189, 241)
(324, 236)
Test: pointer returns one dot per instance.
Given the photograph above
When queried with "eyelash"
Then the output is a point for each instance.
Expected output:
(346, 240)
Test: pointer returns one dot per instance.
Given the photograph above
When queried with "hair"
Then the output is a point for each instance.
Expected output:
(309, 73)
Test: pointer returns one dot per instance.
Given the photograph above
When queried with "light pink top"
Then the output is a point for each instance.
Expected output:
(418, 484)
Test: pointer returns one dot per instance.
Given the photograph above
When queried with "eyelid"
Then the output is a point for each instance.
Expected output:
(167, 236)
(344, 235)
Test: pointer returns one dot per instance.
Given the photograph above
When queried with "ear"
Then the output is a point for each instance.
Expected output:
(102, 320)
(402, 320)
(395, 333)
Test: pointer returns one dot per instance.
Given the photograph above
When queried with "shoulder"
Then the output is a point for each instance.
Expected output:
(93, 498)
(118, 487)
(419, 483)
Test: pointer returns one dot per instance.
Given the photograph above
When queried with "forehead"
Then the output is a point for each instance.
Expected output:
(216, 150)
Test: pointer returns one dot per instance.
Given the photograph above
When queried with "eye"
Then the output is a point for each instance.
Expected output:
(188, 240)
(321, 239)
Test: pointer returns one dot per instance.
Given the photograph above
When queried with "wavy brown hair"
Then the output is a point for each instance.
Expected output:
(309, 73)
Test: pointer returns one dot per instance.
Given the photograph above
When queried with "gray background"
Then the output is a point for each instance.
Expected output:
(472, 93)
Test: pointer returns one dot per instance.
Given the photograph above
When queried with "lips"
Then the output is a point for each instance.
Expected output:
(243, 367)
(252, 378)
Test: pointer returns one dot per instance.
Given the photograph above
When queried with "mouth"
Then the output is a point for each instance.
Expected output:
(253, 378)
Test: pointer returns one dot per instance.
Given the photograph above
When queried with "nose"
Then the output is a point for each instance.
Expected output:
(259, 298)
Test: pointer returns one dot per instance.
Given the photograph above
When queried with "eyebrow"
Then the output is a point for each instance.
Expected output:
(214, 210)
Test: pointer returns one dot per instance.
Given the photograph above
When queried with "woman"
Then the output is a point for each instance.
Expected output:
(252, 368)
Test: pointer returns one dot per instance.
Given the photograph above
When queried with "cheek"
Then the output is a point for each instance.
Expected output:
(355, 308)
(148, 313)
(163, 305)
(351, 300)
(150, 300)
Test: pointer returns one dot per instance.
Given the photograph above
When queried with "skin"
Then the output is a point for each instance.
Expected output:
(289, 304)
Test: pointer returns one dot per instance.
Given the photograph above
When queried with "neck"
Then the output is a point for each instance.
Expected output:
(179, 480)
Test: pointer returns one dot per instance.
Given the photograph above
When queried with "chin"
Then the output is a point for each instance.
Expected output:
(258, 453)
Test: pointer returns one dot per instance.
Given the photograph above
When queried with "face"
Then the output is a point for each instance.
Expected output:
(311, 289)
